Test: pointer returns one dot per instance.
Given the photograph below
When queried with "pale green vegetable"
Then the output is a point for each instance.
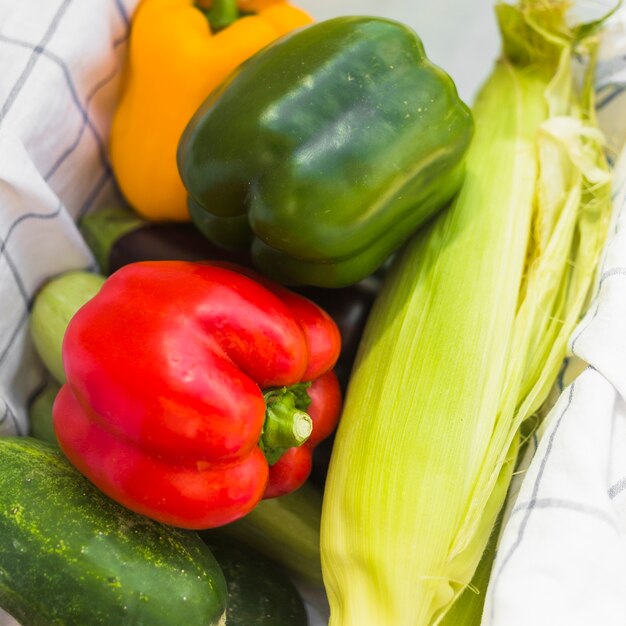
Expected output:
(40, 413)
(54, 306)
(467, 338)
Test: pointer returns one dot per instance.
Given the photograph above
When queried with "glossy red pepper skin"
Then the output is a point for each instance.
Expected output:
(163, 406)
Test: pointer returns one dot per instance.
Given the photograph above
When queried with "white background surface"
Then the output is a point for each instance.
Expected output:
(461, 37)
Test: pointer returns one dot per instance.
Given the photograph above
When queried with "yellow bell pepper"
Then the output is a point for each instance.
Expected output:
(176, 58)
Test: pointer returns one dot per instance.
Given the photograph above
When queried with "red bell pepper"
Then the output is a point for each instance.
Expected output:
(188, 386)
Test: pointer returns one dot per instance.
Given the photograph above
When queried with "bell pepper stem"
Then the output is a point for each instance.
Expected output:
(286, 424)
(222, 13)
(285, 428)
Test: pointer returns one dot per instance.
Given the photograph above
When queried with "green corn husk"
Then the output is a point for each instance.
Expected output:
(467, 337)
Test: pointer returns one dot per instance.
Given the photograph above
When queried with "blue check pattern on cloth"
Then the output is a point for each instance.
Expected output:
(59, 77)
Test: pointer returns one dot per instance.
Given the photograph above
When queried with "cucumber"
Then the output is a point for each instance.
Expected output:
(71, 556)
(259, 591)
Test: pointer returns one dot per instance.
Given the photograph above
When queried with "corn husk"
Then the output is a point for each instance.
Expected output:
(467, 337)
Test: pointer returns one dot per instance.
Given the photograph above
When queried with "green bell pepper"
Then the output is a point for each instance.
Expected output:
(326, 150)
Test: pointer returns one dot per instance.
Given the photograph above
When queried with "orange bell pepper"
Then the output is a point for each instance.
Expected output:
(176, 58)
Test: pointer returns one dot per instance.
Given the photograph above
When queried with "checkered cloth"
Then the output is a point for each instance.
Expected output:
(58, 84)
(562, 555)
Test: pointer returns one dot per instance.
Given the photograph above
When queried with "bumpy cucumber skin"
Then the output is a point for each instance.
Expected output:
(71, 556)
(259, 592)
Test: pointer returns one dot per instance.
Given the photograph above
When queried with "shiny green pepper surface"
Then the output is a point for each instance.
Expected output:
(326, 150)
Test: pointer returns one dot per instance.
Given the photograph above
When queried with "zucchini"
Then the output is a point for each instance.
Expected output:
(285, 529)
(71, 556)
(55, 304)
(259, 591)
(40, 413)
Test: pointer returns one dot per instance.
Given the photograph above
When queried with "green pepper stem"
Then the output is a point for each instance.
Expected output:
(222, 14)
(286, 425)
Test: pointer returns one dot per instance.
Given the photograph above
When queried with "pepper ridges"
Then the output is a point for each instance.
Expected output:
(326, 150)
(163, 408)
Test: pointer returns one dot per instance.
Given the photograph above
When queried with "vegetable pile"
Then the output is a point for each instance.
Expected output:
(319, 235)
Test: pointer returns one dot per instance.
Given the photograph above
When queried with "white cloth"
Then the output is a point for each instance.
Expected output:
(59, 70)
(562, 554)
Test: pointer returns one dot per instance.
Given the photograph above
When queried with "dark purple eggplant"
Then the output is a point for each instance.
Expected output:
(118, 237)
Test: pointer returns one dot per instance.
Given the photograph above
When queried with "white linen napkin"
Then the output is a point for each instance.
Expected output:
(59, 70)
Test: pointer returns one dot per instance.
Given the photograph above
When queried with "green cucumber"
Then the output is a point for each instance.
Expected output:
(71, 556)
(259, 591)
